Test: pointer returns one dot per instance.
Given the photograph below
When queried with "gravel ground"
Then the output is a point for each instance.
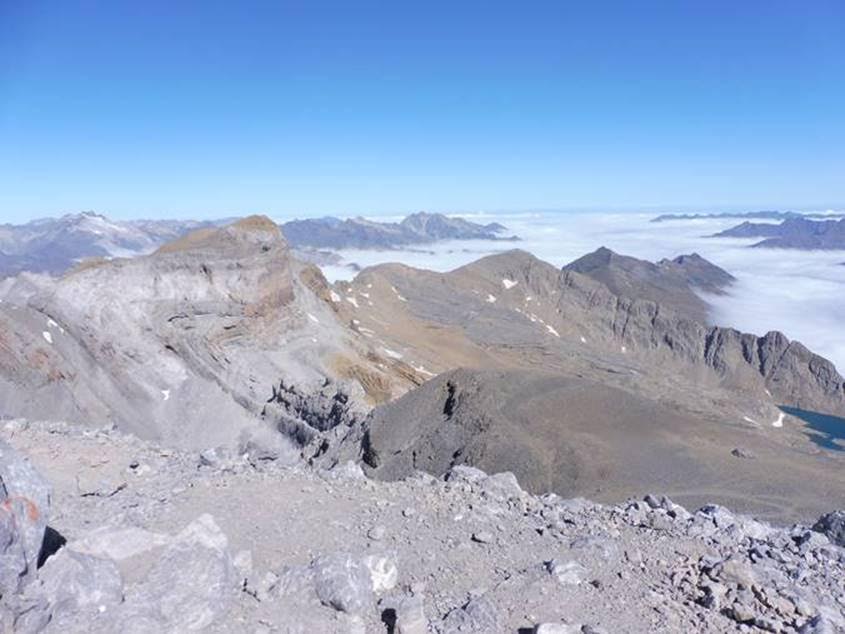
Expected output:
(165, 540)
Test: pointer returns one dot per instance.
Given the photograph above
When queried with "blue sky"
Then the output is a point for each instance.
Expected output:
(301, 108)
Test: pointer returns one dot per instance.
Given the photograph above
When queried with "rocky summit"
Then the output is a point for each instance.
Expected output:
(137, 537)
(212, 437)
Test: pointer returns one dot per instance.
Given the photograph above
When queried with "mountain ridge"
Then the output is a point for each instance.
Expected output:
(793, 233)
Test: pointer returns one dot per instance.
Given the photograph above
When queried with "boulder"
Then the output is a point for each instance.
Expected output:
(832, 525)
(24, 507)
(118, 542)
(480, 614)
(191, 583)
(410, 616)
(344, 583)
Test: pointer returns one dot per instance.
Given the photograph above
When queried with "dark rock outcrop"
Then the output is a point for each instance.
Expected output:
(574, 437)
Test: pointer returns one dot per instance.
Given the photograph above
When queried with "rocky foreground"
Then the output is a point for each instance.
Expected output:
(102, 532)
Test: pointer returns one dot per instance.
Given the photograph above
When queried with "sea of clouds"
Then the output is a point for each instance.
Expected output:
(801, 293)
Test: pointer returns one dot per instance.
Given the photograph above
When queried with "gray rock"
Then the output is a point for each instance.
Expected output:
(344, 583)
(480, 614)
(482, 537)
(502, 486)
(348, 470)
(14, 566)
(832, 525)
(410, 616)
(384, 573)
(192, 582)
(262, 444)
(465, 474)
(566, 573)
(556, 628)
(738, 452)
(376, 533)
(24, 507)
(77, 589)
(218, 458)
(119, 542)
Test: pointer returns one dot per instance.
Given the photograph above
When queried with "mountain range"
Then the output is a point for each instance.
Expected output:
(55, 245)
(223, 337)
(212, 437)
(360, 233)
(793, 233)
(759, 215)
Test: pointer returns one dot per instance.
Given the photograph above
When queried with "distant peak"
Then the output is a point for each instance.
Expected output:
(690, 257)
(598, 258)
(250, 230)
(255, 223)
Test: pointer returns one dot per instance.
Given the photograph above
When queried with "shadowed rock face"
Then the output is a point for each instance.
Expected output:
(670, 283)
(792, 233)
(576, 437)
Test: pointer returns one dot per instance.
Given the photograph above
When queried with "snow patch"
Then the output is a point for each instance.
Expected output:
(490, 298)
(165, 394)
(47, 337)
(553, 331)
(51, 323)
(334, 297)
(352, 301)
(392, 353)
(583, 340)
(508, 284)
(421, 369)
(779, 421)
(312, 318)
(748, 419)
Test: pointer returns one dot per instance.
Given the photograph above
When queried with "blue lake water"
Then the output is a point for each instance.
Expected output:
(828, 432)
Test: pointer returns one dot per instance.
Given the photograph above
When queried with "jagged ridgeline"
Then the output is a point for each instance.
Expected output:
(223, 338)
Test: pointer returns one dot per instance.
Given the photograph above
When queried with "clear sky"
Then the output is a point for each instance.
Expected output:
(300, 108)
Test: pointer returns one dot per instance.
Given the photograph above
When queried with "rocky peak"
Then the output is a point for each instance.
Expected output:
(699, 272)
(669, 282)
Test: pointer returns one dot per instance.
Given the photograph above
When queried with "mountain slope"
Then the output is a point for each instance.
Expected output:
(522, 311)
(580, 438)
(187, 344)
